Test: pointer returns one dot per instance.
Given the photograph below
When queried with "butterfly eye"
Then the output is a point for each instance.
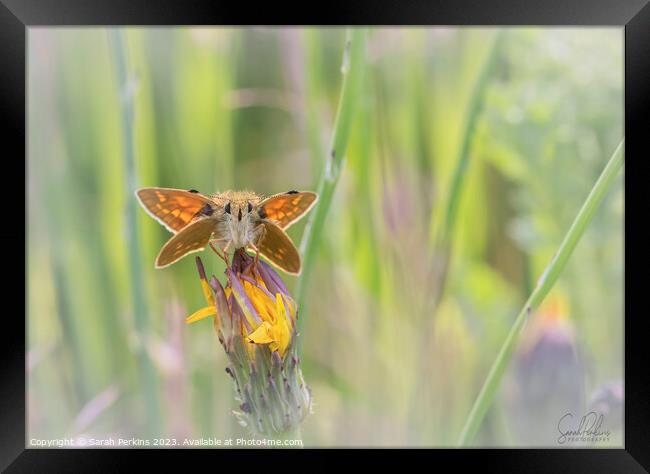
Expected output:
(250, 207)
(262, 213)
(206, 210)
(227, 208)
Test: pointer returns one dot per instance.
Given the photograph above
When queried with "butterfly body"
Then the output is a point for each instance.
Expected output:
(240, 226)
(230, 220)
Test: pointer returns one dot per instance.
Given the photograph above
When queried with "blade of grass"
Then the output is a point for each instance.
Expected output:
(442, 238)
(352, 70)
(442, 231)
(313, 90)
(47, 206)
(544, 285)
(473, 113)
(147, 370)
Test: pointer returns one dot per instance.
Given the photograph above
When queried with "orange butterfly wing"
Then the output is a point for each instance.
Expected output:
(286, 208)
(192, 238)
(173, 208)
(278, 248)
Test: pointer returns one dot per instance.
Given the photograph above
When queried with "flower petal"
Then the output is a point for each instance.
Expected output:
(223, 319)
(201, 314)
(242, 298)
(261, 334)
(205, 286)
(291, 305)
(207, 292)
(272, 280)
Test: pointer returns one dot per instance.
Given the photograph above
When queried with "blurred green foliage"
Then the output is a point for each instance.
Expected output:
(253, 108)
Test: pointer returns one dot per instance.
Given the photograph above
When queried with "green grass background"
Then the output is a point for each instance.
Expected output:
(406, 311)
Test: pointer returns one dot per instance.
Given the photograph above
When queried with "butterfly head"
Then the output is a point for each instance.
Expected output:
(238, 211)
(239, 216)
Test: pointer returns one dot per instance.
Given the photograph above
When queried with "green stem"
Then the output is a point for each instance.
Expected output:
(141, 312)
(352, 70)
(442, 237)
(473, 112)
(313, 93)
(544, 285)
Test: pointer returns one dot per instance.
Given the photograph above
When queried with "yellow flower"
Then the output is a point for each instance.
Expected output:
(269, 313)
(211, 309)
(274, 329)
(255, 319)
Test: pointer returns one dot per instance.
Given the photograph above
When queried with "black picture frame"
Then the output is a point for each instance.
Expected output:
(16, 16)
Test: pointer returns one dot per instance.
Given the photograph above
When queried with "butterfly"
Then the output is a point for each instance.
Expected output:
(230, 220)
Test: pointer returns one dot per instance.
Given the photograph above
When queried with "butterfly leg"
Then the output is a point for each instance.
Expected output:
(257, 254)
(259, 233)
(225, 249)
(223, 256)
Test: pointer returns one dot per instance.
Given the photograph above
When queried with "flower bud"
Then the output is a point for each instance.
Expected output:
(255, 321)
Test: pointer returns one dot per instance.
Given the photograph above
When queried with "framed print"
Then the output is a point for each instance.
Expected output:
(405, 228)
